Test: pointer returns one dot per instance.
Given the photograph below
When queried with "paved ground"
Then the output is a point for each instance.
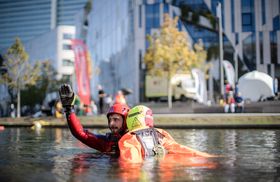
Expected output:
(191, 107)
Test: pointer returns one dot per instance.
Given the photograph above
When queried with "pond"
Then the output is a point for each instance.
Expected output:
(53, 154)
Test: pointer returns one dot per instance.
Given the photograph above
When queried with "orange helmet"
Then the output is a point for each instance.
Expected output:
(121, 109)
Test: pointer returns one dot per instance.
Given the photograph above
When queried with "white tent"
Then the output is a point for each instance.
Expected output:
(200, 85)
(256, 85)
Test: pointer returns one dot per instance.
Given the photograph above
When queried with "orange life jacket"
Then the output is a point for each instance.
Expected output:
(133, 150)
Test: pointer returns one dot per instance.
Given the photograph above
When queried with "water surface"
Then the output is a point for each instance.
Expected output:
(53, 154)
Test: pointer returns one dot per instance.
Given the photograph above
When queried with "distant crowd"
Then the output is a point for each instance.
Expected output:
(232, 102)
(53, 107)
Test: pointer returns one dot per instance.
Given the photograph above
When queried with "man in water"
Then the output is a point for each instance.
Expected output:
(116, 116)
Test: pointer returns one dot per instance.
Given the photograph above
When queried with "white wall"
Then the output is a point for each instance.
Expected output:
(49, 46)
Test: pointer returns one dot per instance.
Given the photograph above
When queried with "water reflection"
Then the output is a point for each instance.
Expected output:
(55, 155)
(166, 168)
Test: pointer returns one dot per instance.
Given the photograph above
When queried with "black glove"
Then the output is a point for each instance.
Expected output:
(67, 96)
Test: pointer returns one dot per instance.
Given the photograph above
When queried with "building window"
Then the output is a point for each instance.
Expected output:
(276, 23)
(269, 69)
(166, 8)
(232, 15)
(67, 47)
(140, 16)
(273, 47)
(236, 39)
(249, 51)
(247, 22)
(67, 62)
(261, 47)
(263, 12)
(246, 19)
(247, 9)
(67, 36)
(152, 17)
(141, 63)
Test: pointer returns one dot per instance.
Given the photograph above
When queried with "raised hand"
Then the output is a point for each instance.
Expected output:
(67, 96)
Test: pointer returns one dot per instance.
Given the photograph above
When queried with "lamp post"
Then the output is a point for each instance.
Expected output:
(219, 15)
(236, 64)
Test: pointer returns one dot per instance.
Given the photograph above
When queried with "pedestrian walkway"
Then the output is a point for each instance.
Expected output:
(192, 107)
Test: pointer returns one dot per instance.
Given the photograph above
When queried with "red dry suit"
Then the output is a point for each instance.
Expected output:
(104, 143)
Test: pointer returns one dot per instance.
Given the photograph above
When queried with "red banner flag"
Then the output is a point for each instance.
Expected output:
(81, 69)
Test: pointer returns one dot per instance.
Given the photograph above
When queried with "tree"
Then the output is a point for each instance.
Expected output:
(201, 54)
(46, 83)
(170, 53)
(20, 72)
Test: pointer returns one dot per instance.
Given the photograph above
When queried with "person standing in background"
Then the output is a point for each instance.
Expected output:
(101, 96)
(119, 98)
(13, 110)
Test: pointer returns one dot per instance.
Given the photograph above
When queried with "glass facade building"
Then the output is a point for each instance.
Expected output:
(27, 19)
(117, 41)
(45, 28)
(118, 29)
(111, 43)
(251, 30)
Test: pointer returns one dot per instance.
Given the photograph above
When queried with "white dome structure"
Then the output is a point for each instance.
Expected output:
(256, 86)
